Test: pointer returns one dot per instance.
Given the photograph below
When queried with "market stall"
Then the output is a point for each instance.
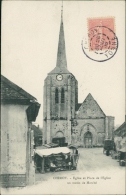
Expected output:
(55, 159)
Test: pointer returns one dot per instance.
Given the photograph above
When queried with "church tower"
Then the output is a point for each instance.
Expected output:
(60, 98)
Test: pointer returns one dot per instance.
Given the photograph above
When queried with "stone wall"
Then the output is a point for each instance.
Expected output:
(62, 126)
(95, 126)
(13, 180)
(58, 115)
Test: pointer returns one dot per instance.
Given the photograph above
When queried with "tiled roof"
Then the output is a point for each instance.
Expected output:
(10, 91)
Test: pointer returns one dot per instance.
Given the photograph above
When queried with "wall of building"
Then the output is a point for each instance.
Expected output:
(110, 123)
(57, 126)
(56, 115)
(96, 127)
(14, 127)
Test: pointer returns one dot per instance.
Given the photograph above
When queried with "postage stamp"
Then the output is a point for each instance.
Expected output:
(100, 43)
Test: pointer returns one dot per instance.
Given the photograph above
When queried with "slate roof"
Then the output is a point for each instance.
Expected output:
(61, 65)
(90, 109)
(11, 91)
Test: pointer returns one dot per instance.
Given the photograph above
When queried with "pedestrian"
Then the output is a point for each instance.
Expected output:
(107, 152)
(69, 164)
(76, 152)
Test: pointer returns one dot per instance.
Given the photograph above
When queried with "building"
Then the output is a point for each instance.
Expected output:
(120, 136)
(18, 109)
(121, 130)
(37, 135)
(64, 119)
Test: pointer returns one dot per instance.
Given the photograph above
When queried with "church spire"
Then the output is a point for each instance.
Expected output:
(61, 53)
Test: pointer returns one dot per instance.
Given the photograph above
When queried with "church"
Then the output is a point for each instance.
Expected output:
(65, 121)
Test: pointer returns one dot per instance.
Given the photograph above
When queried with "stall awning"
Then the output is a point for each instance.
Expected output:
(50, 151)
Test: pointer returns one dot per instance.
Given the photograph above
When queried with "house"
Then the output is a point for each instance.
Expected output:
(120, 136)
(18, 110)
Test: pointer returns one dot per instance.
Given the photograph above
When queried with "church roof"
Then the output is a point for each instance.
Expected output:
(11, 91)
(90, 109)
(61, 65)
(78, 106)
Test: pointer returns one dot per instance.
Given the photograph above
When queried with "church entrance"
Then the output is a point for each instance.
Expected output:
(88, 139)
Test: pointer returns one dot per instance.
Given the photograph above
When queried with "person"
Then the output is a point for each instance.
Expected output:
(66, 157)
(52, 167)
(107, 152)
(114, 147)
(69, 164)
(76, 151)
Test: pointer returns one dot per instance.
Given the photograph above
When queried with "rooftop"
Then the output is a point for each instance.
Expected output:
(11, 92)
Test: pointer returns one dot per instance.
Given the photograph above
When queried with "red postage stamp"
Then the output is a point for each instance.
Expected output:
(108, 22)
(101, 43)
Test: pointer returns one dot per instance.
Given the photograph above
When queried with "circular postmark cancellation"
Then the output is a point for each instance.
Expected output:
(101, 44)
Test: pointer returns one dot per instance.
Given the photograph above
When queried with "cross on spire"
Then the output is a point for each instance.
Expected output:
(62, 11)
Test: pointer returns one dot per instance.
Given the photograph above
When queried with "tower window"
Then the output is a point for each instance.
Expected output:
(56, 96)
(62, 96)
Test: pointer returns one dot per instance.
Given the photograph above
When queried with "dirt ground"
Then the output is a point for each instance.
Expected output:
(96, 174)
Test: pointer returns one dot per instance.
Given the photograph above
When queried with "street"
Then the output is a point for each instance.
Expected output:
(96, 174)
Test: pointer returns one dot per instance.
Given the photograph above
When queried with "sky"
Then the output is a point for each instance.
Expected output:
(30, 32)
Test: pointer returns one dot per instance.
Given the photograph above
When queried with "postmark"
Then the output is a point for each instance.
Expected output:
(100, 43)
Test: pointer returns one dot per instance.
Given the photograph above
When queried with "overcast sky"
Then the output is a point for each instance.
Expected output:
(30, 32)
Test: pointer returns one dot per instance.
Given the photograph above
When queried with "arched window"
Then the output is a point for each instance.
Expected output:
(62, 96)
(56, 96)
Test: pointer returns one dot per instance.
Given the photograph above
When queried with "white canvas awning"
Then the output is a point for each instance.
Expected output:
(48, 152)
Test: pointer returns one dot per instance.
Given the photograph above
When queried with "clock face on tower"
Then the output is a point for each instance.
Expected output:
(59, 77)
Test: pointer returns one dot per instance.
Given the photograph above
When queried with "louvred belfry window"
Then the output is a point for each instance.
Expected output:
(56, 96)
(62, 96)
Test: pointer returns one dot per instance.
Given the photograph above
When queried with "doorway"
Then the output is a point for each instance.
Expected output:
(88, 139)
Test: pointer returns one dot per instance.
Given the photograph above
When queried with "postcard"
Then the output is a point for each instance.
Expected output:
(63, 97)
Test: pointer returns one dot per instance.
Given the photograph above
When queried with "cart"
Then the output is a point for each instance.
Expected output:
(108, 146)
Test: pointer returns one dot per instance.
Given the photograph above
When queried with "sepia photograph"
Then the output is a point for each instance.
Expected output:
(63, 128)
